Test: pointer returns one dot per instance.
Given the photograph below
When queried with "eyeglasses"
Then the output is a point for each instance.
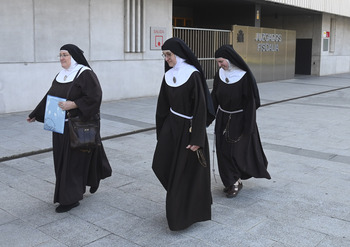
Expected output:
(167, 55)
(63, 55)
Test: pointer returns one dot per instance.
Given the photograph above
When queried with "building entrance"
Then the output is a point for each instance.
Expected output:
(303, 54)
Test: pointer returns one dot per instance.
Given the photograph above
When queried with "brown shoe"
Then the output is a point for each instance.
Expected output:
(233, 190)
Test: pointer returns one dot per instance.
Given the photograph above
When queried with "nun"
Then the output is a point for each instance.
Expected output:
(181, 157)
(236, 98)
(74, 168)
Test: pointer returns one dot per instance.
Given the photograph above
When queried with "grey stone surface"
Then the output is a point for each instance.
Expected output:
(19, 233)
(306, 203)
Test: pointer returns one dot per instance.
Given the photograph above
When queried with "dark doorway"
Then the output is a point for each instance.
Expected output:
(303, 56)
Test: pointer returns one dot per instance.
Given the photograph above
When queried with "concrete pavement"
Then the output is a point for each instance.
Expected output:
(306, 203)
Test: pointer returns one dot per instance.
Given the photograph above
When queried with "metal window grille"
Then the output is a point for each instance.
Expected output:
(204, 43)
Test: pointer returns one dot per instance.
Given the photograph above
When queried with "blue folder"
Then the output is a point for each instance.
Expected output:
(54, 115)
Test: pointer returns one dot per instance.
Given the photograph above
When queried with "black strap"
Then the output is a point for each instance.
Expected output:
(68, 113)
(73, 82)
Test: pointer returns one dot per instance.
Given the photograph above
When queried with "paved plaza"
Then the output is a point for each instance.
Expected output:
(306, 203)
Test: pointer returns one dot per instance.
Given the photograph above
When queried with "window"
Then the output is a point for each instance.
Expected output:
(182, 22)
(325, 44)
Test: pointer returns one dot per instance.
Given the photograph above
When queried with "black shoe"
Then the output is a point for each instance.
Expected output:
(226, 189)
(93, 189)
(66, 208)
(233, 190)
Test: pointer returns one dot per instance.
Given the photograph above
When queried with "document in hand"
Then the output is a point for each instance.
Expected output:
(54, 115)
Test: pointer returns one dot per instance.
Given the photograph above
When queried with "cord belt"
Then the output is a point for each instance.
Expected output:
(230, 112)
(180, 115)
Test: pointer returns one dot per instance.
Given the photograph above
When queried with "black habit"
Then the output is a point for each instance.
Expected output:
(186, 181)
(74, 168)
(239, 151)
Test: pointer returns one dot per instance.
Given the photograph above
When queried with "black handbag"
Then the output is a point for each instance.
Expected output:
(83, 134)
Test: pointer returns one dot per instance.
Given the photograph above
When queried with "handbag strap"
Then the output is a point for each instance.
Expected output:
(68, 92)
(73, 82)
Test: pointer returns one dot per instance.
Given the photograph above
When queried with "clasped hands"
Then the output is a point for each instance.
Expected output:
(194, 148)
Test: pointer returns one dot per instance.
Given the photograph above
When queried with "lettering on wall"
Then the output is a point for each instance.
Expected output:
(268, 42)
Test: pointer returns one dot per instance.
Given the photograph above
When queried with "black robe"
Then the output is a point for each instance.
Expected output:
(186, 181)
(74, 168)
(245, 158)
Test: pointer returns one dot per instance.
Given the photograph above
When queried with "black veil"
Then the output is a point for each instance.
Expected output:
(76, 53)
(180, 48)
(227, 52)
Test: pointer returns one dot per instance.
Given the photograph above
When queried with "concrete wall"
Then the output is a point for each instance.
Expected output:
(32, 31)
(312, 27)
(306, 27)
(338, 7)
(337, 61)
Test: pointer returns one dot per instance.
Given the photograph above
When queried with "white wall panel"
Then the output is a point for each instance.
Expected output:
(16, 31)
(338, 7)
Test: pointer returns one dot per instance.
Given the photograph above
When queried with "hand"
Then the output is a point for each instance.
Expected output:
(67, 105)
(30, 120)
(194, 148)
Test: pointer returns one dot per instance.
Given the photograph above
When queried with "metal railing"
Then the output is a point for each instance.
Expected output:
(204, 43)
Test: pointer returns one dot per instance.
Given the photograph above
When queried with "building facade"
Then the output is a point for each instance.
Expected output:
(326, 24)
(322, 26)
(115, 36)
(122, 38)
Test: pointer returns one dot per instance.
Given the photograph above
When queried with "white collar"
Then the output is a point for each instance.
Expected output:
(180, 73)
(232, 75)
(68, 75)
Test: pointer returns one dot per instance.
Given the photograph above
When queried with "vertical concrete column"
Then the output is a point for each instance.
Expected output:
(127, 25)
(134, 26)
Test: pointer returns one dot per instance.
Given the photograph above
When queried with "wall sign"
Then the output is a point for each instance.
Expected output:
(157, 37)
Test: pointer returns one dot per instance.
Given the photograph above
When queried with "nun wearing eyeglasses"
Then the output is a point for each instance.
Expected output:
(236, 98)
(181, 157)
(74, 168)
